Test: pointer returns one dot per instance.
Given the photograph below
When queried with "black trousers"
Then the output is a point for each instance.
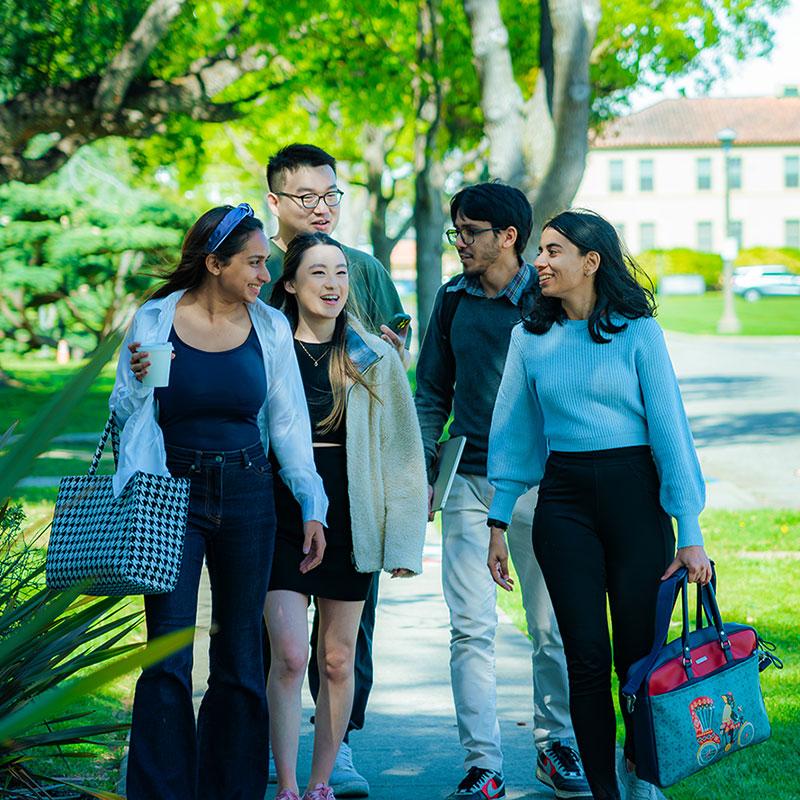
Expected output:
(363, 659)
(600, 531)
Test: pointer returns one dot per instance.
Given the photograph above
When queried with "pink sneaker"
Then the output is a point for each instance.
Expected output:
(287, 794)
(320, 792)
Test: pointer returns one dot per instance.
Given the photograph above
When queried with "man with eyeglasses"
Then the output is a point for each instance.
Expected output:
(459, 370)
(304, 198)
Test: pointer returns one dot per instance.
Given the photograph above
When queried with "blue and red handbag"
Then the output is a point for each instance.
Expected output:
(697, 698)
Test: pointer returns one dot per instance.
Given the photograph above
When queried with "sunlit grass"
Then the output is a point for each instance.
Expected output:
(770, 316)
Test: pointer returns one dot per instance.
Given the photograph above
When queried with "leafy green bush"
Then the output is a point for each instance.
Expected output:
(753, 256)
(682, 261)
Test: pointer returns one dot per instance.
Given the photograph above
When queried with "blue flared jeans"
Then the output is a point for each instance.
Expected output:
(222, 755)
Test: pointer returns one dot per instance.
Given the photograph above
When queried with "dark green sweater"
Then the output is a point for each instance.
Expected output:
(465, 379)
(371, 287)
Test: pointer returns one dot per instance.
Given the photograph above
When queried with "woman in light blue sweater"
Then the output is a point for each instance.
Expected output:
(590, 410)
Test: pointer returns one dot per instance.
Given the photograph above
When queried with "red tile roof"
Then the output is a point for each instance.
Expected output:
(694, 122)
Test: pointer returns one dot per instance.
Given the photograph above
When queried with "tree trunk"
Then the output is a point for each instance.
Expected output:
(429, 182)
(572, 25)
(429, 220)
(375, 152)
(548, 135)
(501, 97)
(377, 145)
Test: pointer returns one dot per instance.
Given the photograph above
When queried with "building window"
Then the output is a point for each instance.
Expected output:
(705, 237)
(736, 231)
(619, 227)
(646, 175)
(647, 236)
(791, 172)
(735, 173)
(616, 180)
(792, 232)
(703, 174)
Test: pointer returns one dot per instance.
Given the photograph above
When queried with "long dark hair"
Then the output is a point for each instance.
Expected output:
(617, 280)
(191, 269)
(340, 367)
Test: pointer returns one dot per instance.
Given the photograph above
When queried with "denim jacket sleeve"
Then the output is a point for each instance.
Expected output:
(288, 423)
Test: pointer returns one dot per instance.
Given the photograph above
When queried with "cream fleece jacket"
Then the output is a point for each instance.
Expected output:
(388, 487)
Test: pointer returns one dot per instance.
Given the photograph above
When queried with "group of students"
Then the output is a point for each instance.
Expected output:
(579, 400)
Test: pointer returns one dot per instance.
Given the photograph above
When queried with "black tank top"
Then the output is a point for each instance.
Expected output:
(213, 399)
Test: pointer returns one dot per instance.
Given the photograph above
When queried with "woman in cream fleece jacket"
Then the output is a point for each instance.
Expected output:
(368, 452)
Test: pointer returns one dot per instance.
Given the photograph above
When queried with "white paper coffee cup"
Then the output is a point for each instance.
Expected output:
(159, 354)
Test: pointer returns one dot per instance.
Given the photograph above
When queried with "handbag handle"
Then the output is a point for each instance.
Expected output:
(678, 583)
(111, 429)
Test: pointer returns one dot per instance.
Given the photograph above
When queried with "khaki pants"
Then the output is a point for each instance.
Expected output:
(470, 595)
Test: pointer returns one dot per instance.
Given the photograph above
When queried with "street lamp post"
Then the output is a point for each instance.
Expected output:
(728, 322)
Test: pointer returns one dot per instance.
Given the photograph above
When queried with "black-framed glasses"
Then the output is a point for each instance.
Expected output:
(310, 201)
(467, 234)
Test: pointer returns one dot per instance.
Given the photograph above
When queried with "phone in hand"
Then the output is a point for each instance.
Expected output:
(399, 323)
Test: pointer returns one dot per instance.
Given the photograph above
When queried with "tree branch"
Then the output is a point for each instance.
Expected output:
(67, 113)
(127, 63)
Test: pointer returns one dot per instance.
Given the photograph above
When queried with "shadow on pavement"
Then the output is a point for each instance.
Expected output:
(710, 387)
(758, 428)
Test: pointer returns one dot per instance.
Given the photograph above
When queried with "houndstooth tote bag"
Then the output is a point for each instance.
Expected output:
(131, 544)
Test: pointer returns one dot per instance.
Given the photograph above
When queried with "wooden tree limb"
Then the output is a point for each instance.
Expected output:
(126, 64)
(68, 115)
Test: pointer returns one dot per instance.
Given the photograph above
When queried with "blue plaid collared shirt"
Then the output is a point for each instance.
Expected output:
(512, 290)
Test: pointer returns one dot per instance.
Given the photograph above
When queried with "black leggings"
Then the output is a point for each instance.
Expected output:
(599, 529)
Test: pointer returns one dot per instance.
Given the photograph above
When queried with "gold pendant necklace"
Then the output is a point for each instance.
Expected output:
(315, 360)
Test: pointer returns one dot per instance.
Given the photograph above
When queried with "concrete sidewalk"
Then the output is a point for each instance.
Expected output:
(409, 748)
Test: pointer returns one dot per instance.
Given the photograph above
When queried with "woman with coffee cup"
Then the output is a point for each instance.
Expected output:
(234, 390)
(368, 451)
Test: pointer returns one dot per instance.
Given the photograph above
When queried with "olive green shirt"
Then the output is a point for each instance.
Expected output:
(373, 295)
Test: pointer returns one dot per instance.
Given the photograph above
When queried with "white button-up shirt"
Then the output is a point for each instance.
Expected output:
(283, 419)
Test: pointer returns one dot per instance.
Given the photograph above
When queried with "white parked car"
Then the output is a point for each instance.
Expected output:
(753, 283)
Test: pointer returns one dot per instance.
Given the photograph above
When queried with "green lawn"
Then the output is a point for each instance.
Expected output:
(40, 379)
(758, 559)
(770, 316)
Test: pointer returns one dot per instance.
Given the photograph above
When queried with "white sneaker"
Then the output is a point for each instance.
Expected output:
(634, 788)
(345, 780)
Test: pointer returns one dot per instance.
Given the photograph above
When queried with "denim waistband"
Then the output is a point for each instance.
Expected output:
(214, 458)
(636, 451)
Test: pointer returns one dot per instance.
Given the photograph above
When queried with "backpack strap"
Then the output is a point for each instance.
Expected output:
(447, 310)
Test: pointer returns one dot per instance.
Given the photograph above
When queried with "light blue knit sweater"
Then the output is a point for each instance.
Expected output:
(563, 391)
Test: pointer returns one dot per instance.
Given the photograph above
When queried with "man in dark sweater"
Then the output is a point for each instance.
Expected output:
(459, 370)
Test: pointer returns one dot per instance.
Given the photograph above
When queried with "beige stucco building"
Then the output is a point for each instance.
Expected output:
(659, 174)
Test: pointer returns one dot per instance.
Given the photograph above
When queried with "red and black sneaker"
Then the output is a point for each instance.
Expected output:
(559, 766)
(480, 784)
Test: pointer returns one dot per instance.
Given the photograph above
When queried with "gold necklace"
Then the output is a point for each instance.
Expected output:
(315, 360)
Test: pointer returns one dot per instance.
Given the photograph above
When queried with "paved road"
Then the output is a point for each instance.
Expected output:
(742, 395)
